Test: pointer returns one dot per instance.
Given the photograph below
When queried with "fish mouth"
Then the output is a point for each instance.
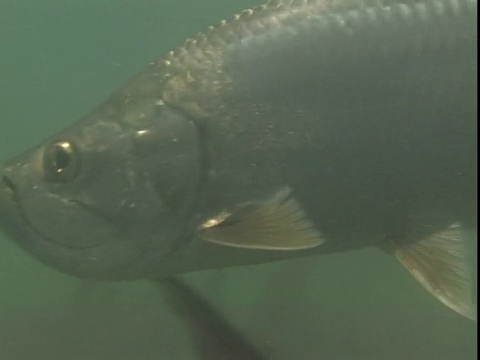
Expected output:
(8, 188)
(9, 194)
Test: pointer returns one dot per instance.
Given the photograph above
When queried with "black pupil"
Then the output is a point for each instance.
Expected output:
(61, 159)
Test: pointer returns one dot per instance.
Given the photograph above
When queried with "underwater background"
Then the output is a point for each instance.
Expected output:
(58, 60)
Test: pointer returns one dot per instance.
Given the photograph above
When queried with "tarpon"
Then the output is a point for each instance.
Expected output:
(297, 128)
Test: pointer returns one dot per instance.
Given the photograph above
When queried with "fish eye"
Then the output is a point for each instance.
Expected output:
(61, 162)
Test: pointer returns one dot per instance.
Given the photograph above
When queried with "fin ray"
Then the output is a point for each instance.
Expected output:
(439, 263)
(276, 224)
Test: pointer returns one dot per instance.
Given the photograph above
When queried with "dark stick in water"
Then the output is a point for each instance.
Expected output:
(215, 338)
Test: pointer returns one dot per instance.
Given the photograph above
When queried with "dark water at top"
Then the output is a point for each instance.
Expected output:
(59, 59)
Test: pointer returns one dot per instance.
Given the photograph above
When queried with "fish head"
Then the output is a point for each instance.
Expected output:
(104, 199)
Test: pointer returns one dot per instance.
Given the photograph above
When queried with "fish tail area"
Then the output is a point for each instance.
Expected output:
(439, 262)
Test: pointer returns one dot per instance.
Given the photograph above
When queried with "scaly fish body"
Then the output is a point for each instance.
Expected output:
(309, 126)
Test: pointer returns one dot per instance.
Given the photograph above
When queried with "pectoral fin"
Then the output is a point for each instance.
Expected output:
(278, 223)
(439, 263)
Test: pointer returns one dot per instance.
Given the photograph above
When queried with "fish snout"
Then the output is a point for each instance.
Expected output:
(6, 186)
(8, 189)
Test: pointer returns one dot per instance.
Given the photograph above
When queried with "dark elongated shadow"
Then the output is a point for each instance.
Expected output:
(213, 336)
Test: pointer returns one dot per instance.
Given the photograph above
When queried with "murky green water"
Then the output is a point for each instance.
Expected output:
(59, 59)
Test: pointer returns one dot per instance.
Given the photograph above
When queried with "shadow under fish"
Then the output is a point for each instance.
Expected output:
(214, 337)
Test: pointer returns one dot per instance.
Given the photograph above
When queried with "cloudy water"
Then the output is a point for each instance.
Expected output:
(58, 60)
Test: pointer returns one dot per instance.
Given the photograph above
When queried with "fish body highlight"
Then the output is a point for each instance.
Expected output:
(298, 128)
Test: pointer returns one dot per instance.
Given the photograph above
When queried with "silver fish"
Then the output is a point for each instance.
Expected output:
(297, 128)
